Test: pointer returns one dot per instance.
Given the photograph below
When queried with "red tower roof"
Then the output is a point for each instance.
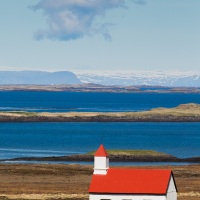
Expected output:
(131, 181)
(101, 152)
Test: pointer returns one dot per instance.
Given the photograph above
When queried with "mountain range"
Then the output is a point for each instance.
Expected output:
(107, 78)
(38, 78)
(149, 78)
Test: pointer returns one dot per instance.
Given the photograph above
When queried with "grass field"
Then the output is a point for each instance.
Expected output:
(31, 181)
(132, 152)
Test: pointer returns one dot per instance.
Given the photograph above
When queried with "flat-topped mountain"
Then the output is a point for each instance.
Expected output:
(37, 78)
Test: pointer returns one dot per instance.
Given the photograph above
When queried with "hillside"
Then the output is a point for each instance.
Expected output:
(37, 78)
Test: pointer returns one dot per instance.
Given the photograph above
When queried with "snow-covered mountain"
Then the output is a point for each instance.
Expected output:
(151, 78)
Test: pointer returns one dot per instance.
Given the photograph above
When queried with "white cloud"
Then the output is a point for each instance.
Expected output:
(72, 19)
(139, 2)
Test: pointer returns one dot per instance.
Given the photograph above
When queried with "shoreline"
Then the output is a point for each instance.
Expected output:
(113, 158)
(182, 113)
(91, 87)
(99, 119)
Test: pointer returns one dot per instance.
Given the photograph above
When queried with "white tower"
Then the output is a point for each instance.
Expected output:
(101, 161)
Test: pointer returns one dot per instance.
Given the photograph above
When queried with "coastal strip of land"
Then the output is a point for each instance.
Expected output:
(56, 181)
(114, 156)
(91, 87)
(182, 113)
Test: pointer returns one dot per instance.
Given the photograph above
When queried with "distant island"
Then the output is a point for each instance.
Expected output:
(182, 113)
(115, 156)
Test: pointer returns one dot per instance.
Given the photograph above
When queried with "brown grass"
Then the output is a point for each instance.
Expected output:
(72, 181)
(132, 152)
(187, 110)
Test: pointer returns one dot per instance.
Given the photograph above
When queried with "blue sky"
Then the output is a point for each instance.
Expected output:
(55, 35)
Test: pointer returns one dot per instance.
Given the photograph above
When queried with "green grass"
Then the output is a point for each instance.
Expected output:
(132, 152)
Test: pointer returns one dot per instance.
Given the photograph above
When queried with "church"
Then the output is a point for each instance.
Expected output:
(129, 183)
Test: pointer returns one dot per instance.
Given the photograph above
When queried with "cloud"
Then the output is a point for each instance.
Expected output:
(73, 19)
(141, 2)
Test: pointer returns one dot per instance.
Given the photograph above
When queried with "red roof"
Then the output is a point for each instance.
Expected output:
(101, 152)
(131, 181)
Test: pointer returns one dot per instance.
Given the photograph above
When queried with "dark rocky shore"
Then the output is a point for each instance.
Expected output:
(113, 158)
(101, 118)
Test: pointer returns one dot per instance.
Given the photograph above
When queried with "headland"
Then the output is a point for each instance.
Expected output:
(182, 113)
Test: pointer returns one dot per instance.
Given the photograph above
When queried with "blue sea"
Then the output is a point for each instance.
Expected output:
(57, 139)
(94, 102)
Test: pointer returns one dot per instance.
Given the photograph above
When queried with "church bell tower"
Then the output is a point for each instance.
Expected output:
(101, 161)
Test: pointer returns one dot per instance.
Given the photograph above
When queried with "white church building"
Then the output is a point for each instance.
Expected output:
(129, 183)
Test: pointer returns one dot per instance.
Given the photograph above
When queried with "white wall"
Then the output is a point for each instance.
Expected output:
(126, 197)
(101, 164)
(171, 192)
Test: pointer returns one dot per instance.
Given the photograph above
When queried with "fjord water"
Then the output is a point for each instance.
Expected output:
(57, 139)
(90, 102)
